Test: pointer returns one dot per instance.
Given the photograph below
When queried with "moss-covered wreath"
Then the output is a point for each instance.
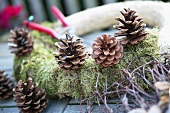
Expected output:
(43, 68)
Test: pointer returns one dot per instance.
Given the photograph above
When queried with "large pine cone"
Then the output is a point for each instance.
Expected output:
(70, 53)
(29, 98)
(6, 86)
(21, 43)
(131, 27)
(106, 50)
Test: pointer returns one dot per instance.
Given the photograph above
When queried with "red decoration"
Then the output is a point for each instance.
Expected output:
(49, 31)
(59, 15)
(7, 14)
(40, 28)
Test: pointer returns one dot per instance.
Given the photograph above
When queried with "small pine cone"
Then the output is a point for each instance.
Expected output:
(29, 98)
(21, 43)
(107, 50)
(70, 53)
(131, 27)
(6, 86)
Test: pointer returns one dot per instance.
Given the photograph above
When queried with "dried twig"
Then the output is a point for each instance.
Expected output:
(130, 89)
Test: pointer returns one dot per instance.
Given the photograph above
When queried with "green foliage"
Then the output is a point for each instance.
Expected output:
(43, 68)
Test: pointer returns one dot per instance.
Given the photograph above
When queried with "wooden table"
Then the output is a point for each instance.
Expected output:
(66, 105)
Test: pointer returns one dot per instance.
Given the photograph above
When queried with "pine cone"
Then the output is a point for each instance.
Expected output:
(70, 53)
(163, 87)
(131, 27)
(106, 50)
(29, 98)
(6, 86)
(21, 43)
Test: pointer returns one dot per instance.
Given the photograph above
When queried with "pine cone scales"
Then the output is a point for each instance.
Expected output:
(29, 98)
(131, 27)
(106, 50)
(21, 43)
(70, 53)
(6, 86)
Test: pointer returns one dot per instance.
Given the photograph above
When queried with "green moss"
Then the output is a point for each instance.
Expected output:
(42, 67)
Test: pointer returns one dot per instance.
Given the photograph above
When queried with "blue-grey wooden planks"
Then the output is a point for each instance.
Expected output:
(72, 6)
(41, 10)
(6, 58)
(7, 103)
(17, 2)
(95, 108)
(9, 110)
(3, 3)
(109, 1)
(57, 105)
(37, 10)
(89, 3)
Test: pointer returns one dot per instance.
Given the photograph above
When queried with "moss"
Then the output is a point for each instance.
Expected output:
(42, 67)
